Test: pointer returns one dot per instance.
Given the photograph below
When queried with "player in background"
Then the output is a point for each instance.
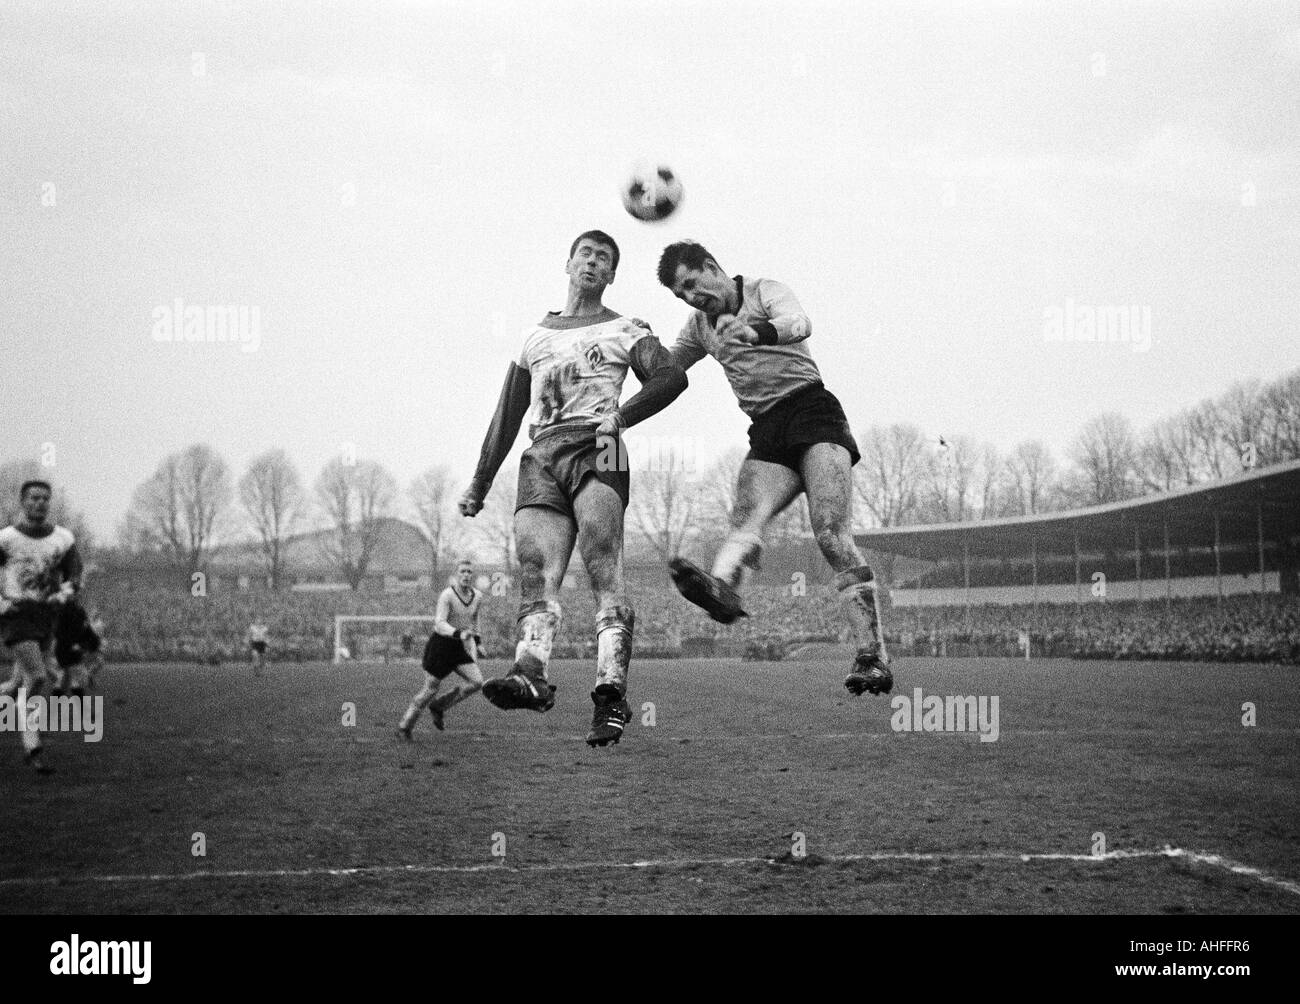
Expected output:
(799, 441)
(573, 479)
(455, 646)
(39, 570)
(76, 649)
(258, 636)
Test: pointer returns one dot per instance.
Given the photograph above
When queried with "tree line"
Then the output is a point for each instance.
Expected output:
(192, 503)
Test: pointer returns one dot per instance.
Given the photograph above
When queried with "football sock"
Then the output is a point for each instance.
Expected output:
(738, 558)
(538, 623)
(614, 646)
(857, 589)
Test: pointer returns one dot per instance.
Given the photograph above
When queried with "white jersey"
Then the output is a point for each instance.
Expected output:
(577, 366)
(258, 632)
(34, 568)
(453, 609)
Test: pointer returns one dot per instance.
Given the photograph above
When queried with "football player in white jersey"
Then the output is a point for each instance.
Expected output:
(573, 479)
(454, 648)
(39, 570)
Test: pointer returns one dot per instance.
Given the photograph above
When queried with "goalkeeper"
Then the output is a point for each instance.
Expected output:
(452, 650)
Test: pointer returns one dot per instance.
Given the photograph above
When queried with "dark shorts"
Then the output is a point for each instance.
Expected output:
(554, 468)
(443, 654)
(812, 415)
(28, 620)
(69, 654)
(258, 646)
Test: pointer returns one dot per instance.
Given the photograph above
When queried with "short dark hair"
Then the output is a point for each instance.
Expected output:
(692, 254)
(34, 483)
(599, 237)
(464, 561)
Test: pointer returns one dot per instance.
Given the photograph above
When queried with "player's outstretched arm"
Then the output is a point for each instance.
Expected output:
(512, 406)
(662, 381)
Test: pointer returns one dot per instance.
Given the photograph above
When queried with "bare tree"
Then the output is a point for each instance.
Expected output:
(431, 495)
(356, 498)
(989, 471)
(1032, 480)
(179, 510)
(1281, 400)
(1105, 457)
(62, 512)
(662, 506)
(271, 493)
(717, 491)
(1241, 412)
(949, 481)
(495, 525)
(1205, 428)
(1165, 455)
(888, 479)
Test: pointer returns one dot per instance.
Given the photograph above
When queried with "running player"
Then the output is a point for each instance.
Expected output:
(573, 479)
(454, 647)
(258, 636)
(799, 441)
(76, 649)
(39, 570)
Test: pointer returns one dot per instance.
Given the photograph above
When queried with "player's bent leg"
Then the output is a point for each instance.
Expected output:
(469, 683)
(419, 702)
(829, 479)
(763, 489)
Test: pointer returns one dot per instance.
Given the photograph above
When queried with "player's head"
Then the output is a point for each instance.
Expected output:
(464, 573)
(593, 260)
(34, 496)
(695, 277)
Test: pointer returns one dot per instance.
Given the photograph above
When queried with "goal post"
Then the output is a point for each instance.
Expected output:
(343, 653)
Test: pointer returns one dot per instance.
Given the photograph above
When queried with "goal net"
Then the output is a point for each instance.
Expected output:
(380, 637)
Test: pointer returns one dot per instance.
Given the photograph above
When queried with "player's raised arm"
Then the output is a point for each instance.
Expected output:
(787, 323)
(516, 395)
(662, 380)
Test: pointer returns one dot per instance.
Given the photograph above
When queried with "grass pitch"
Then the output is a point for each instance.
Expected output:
(700, 811)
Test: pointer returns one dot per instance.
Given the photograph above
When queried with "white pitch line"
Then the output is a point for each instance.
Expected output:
(706, 737)
(1213, 860)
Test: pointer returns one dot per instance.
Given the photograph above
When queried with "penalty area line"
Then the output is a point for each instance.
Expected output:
(674, 864)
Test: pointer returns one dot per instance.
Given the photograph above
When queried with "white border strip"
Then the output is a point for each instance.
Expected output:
(1198, 857)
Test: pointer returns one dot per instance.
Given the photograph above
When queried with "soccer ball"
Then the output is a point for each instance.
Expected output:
(653, 192)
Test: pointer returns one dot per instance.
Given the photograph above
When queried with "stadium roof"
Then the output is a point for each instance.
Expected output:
(1237, 501)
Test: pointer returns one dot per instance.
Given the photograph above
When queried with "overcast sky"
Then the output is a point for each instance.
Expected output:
(394, 188)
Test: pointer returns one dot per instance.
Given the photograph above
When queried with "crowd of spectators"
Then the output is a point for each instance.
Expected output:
(158, 624)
